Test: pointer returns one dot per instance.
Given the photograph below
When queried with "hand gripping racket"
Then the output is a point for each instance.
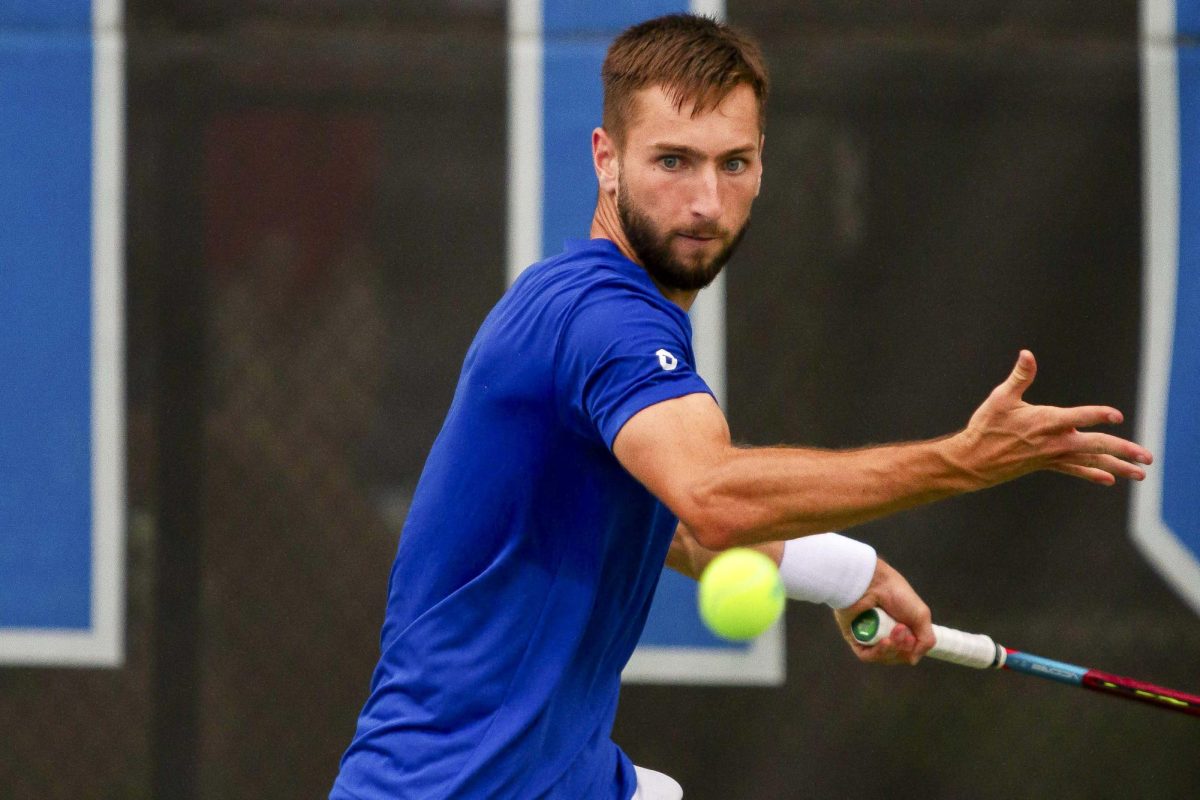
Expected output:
(979, 651)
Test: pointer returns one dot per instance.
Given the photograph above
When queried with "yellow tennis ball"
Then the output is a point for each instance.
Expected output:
(740, 594)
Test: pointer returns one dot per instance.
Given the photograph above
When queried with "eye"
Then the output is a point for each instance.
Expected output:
(670, 162)
(735, 165)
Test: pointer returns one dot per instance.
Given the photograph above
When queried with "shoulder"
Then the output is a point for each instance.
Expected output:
(608, 284)
(592, 292)
(613, 308)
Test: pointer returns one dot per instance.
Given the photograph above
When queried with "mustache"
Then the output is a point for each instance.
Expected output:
(704, 232)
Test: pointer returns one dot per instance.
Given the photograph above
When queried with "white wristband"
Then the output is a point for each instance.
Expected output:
(827, 568)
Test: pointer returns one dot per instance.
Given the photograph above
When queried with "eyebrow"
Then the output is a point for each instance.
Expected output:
(694, 153)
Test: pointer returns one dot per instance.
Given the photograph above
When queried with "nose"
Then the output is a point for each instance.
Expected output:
(706, 196)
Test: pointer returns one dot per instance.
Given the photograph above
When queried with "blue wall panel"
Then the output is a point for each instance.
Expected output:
(73, 14)
(46, 56)
(572, 98)
(1187, 16)
(1181, 447)
(576, 17)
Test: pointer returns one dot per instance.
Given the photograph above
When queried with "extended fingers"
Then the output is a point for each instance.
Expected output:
(1100, 468)
(1107, 444)
(1113, 453)
(1090, 474)
(1088, 416)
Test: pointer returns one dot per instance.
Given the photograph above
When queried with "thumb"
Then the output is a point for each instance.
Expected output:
(1022, 375)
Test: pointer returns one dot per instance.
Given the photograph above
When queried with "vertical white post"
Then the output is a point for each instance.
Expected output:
(524, 135)
(108, 322)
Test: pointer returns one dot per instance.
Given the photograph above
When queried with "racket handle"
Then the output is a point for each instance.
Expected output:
(957, 647)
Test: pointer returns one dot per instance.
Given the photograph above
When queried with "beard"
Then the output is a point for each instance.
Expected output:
(653, 248)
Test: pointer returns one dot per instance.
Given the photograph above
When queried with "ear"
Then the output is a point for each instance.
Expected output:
(605, 161)
(762, 142)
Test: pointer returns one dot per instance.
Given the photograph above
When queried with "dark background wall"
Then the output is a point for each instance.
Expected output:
(315, 228)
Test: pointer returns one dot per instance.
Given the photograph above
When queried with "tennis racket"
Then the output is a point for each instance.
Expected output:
(981, 652)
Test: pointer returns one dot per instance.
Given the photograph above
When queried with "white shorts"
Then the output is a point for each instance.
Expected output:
(655, 786)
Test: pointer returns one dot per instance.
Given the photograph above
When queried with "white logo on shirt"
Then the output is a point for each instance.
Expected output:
(666, 360)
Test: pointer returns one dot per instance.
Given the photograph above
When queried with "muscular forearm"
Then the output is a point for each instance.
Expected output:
(681, 450)
(755, 495)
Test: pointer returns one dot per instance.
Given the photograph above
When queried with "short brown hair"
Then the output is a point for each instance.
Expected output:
(696, 59)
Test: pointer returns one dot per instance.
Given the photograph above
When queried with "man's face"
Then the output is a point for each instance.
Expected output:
(686, 185)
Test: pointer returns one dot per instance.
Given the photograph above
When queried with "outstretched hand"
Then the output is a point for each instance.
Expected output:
(1007, 437)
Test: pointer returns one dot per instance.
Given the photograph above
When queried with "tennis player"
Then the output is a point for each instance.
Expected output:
(581, 450)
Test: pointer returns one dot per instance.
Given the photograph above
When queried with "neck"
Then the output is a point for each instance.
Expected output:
(606, 224)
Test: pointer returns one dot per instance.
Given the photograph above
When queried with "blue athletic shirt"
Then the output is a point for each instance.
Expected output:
(529, 557)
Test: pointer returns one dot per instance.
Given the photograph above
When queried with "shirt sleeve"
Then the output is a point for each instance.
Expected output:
(620, 353)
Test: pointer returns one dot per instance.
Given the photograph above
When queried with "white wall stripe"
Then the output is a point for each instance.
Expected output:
(108, 347)
(1157, 21)
(709, 8)
(1161, 176)
(106, 16)
(524, 145)
(761, 665)
(525, 136)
